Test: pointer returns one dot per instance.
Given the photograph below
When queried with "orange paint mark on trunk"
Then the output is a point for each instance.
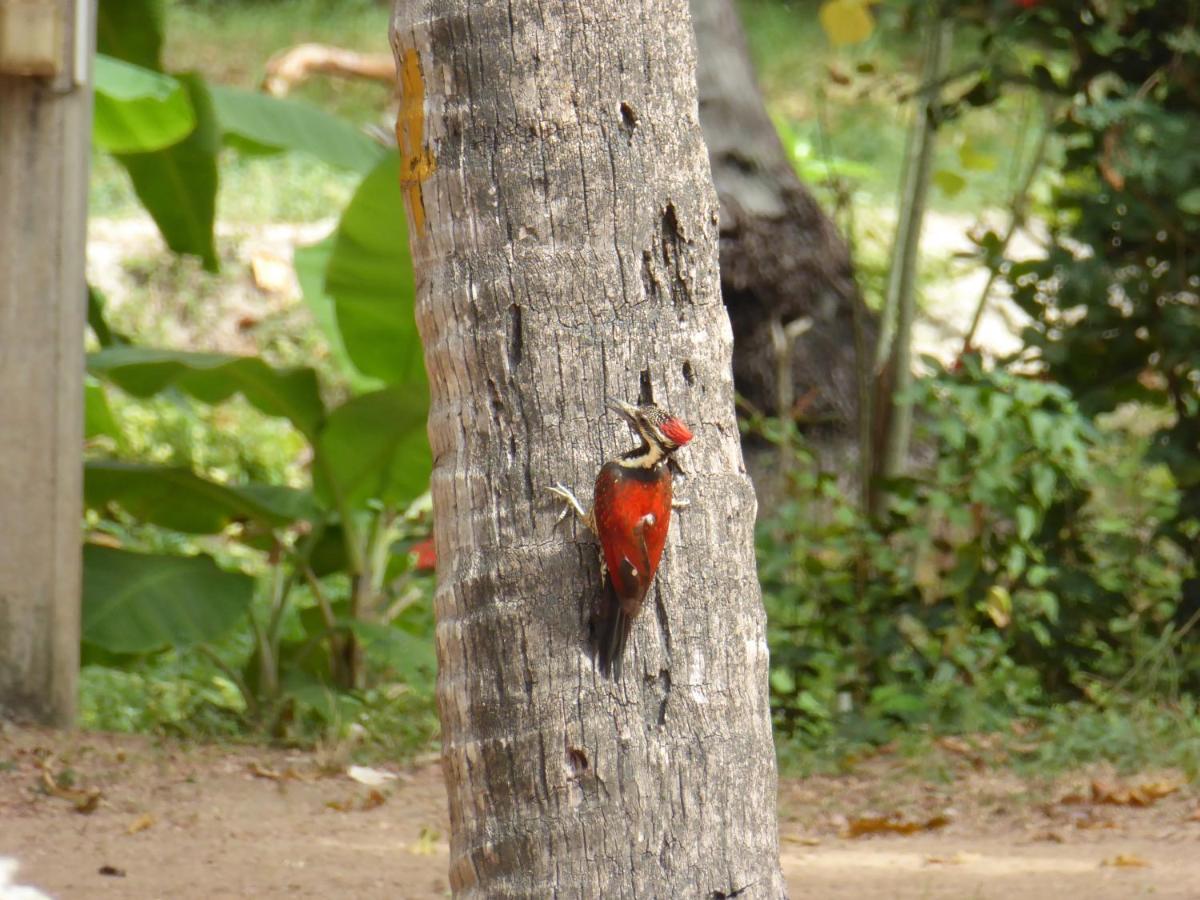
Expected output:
(416, 162)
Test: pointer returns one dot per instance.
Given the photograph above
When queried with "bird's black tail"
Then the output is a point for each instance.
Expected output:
(611, 628)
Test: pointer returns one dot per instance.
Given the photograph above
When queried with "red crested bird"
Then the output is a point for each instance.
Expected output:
(630, 514)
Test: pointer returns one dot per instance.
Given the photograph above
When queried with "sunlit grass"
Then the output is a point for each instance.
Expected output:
(845, 103)
(231, 43)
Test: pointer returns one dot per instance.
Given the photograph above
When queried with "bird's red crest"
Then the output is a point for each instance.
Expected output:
(676, 431)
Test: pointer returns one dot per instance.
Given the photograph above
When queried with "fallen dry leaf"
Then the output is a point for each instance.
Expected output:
(960, 747)
(85, 800)
(955, 745)
(260, 771)
(272, 275)
(802, 840)
(1053, 837)
(1141, 795)
(1126, 861)
(953, 859)
(373, 800)
(426, 842)
(1089, 823)
(369, 776)
(141, 823)
(892, 824)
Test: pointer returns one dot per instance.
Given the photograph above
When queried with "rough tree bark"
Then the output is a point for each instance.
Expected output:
(782, 259)
(564, 228)
(45, 132)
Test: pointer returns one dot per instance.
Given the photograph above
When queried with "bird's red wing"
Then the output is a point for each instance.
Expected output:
(633, 512)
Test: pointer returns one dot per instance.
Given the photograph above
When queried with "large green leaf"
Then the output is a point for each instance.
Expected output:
(178, 498)
(138, 110)
(370, 278)
(98, 418)
(258, 123)
(137, 603)
(412, 657)
(212, 378)
(98, 322)
(374, 447)
(310, 263)
(178, 184)
(131, 30)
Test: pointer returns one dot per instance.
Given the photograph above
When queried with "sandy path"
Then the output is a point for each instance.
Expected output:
(181, 822)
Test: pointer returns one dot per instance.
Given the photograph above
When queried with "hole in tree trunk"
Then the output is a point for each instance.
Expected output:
(577, 760)
(629, 116)
(515, 337)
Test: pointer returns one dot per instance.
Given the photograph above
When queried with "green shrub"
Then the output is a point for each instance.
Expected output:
(1016, 566)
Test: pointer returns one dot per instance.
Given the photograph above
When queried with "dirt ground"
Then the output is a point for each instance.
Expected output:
(98, 816)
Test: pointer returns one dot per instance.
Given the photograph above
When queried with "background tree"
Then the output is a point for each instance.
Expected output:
(564, 229)
(782, 258)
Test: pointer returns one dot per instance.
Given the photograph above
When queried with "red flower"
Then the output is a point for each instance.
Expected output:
(426, 555)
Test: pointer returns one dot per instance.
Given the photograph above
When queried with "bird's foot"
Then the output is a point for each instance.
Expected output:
(680, 504)
(570, 504)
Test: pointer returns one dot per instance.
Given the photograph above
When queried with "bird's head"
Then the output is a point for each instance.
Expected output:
(656, 426)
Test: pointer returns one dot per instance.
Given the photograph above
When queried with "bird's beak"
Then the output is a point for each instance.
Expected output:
(628, 410)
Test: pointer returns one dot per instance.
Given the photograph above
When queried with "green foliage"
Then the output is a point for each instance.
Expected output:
(1043, 546)
(179, 499)
(178, 184)
(138, 110)
(167, 131)
(369, 460)
(368, 270)
(373, 447)
(991, 588)
(286, 586)
(132, 30)
(1138, 735)
(139, 603)
(1114, 300)
(255, 123)
(847, 106)
(213, 378)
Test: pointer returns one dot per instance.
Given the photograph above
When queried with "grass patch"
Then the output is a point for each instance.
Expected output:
(231, 43)
(1134, 735)
(287, 187)
(847, 103)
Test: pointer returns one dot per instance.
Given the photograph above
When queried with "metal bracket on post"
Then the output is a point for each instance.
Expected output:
(81, 41)
(31, 38)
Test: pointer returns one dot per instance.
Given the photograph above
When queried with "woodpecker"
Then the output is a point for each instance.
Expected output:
(630, 513)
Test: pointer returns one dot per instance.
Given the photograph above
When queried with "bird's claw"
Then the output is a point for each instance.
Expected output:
(568, 498)
(680, 504)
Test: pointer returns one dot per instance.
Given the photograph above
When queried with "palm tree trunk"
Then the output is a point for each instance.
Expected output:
(564, 227)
